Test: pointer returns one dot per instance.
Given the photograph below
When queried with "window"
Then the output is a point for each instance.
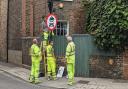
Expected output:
(62, 28)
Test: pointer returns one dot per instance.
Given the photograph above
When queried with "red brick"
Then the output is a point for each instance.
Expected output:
(3, 29)
(125, 71)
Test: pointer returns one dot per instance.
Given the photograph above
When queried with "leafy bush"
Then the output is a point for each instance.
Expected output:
(107, 20)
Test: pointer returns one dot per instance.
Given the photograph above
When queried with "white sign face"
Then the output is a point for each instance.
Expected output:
(51, 21)
(60, 72)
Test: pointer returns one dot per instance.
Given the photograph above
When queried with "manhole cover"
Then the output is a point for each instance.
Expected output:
(120, 81)
(83, 82)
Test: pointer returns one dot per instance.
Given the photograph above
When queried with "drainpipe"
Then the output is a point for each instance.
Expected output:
(23, 20)
(7, 29)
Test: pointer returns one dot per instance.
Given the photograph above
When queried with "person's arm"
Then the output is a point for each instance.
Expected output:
(32, 50)
(68, 50)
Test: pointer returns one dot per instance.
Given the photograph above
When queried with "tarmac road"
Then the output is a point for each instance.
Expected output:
(9, 82)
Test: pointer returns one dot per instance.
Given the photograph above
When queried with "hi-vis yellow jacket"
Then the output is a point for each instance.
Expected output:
(70, 52)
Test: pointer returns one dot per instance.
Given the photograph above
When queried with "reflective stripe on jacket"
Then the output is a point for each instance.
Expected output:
(35, 52)
(50, 51)
(70, 52)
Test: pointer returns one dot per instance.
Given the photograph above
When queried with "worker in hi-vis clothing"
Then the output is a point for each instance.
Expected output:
(45, 35)
(35, 59)
(70, 59)
(51, 62)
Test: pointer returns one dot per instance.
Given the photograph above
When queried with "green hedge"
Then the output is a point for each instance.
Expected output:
(107, 20)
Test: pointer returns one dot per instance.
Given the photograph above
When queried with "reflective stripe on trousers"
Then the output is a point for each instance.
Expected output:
(71, 71)
(51, 67)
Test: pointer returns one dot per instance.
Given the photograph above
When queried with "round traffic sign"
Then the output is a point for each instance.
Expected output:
(51, 21)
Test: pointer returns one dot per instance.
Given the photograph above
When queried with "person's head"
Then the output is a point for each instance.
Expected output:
(51, 43)
(34, 41)
(69, 38)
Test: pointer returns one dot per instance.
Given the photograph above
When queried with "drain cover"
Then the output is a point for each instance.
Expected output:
(83, 82)
(120, 81)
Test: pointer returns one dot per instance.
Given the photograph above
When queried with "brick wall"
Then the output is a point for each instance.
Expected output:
(3, 29)
(34, 10)
(125, 64)
(39, 11)
(77, 21)
(101, 67)
(14, 25)
(72, 12)
(14, 32)
(15, 57)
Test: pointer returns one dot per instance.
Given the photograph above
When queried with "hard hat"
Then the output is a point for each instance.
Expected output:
(35, 41)
(69, 38)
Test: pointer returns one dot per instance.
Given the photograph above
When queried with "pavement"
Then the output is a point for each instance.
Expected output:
(10, 82)
(61, 83)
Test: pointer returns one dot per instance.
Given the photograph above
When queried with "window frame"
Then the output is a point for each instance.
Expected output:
(60, 27)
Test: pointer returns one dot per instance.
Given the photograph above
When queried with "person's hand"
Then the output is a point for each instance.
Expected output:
(64, 61)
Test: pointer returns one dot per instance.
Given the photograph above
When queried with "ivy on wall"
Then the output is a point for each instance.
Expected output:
(107, 20)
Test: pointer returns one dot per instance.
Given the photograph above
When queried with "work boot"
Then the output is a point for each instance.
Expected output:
(54, 78)
(49, 78)
(73, 81)
(70, 83)
(37, 81)
(31, 79)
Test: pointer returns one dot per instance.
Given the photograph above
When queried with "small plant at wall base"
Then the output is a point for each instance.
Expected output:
(107, 20)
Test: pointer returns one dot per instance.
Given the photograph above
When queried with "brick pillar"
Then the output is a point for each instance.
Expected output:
(125, 64)
(23, 17)
(31, 17)
(3, 29)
